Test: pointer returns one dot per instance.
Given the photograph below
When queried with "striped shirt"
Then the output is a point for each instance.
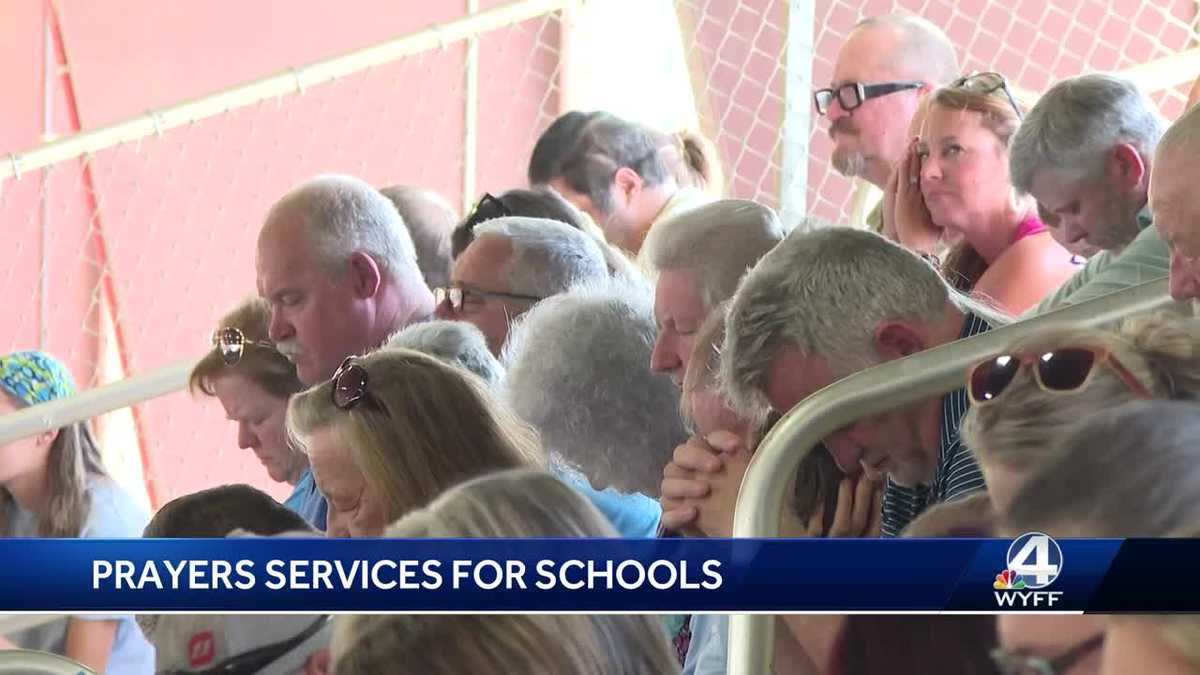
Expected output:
(957, 475)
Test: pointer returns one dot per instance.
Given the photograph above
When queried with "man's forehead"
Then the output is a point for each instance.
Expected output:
(482, 261)
(865, 55)
(282, 255)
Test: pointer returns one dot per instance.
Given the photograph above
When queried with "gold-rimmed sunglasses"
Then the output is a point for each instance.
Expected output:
(231, 343)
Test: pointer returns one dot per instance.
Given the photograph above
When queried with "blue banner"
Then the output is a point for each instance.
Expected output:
(1033, 572)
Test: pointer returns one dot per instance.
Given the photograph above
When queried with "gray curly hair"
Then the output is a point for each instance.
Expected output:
(577, 372)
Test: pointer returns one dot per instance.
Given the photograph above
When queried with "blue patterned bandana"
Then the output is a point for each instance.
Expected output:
(35, 377)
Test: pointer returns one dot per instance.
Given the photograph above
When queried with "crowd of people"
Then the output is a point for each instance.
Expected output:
(599, 353)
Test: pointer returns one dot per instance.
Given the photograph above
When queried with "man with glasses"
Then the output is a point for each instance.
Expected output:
(885, 65)
(512, 264)
(339, 272)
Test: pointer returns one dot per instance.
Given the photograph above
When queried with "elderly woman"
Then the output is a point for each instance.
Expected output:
(253, 381)
(510, 504)
(577, 373)
(394, 429)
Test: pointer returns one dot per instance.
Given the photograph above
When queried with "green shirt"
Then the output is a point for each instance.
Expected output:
(1144, 259)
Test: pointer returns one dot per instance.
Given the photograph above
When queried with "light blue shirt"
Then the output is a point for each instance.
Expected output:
(634, 515)
(706, 653)
(113, 514)
(308, 502)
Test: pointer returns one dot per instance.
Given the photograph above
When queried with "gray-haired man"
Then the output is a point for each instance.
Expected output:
(512, 264)
(1085, 152)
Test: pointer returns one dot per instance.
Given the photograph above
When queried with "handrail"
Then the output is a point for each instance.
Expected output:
(930, 373)
(93, 402)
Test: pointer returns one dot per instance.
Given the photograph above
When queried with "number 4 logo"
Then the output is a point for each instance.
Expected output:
(1037, 558)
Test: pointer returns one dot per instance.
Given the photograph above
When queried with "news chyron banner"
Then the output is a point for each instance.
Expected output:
(1031, 573)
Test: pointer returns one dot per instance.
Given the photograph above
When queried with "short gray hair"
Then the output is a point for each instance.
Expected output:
(430, 219)
(1077, 122)
(718, 242)
(924, 50)
(823, 291)
(457, 343)
(344, 215)
(578, 371)
(548, 257)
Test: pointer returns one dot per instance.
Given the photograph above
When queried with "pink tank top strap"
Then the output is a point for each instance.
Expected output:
(1030, 226)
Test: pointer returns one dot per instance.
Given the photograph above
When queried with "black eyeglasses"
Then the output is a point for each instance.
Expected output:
(457, 295)
(1013, 663)
(256, 659)
(231, 343)
(487, 208)
(853, 94)
(987, 83)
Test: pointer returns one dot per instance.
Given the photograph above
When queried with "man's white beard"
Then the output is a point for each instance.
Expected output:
(850, 164)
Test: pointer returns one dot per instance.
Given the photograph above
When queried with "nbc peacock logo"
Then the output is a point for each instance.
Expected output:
(1008, 580)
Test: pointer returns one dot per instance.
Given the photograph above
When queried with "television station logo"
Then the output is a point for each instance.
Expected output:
(1034, 561)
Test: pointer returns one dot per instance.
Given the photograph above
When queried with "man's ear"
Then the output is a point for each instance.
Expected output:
(895, 340)
(365, 275)
(628, 183)
(1127, 165)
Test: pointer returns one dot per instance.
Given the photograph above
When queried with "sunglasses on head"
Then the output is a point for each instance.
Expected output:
(349, 384)
(1056, 371)
(487, 208)
(987, 83)
(231, 342)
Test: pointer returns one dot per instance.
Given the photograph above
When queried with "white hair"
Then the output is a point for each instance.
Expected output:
(457, 343)
(1077, 122)
(548, 257)
(429, 219)
(578, 371)
(824, 291)
(717, 242)
(344, 215)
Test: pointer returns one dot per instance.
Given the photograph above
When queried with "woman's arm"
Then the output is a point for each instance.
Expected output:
(90, 642)
(1026, 272)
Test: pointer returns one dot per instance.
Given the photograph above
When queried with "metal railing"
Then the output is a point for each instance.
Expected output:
(929, 373)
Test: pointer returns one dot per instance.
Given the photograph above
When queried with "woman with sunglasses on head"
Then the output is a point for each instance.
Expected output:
(55, 485)
(1045, 383)
(953, 185)
(253, 381)
(1130, 471)
(394, 429)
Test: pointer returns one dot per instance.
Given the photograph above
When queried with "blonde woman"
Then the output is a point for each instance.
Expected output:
(954, 184)
(1050, 380)
(394, 429)
(55, 485)
(253, 380)
(519, 503)
(1131, 471)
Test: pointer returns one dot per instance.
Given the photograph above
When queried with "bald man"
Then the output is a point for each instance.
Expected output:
(430, 219)
(883, 68)
(1175, 202)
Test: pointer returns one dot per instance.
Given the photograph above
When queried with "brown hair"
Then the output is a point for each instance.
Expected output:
(262, 365)
(426, 426)
(963, 266)
(585, 150)
(73, 458)
(215, 512)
